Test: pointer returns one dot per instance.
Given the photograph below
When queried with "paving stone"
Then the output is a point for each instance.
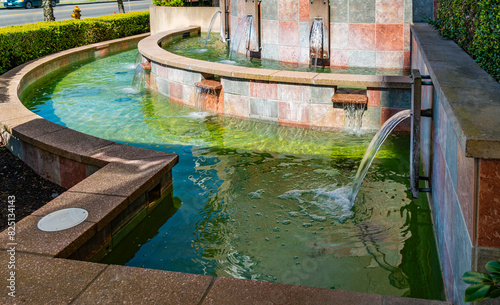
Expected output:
(44, 280)
(127, 285)
(237, 291)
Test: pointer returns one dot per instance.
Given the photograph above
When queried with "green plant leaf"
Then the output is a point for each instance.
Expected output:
(493, 266)
(494, 293)
(474, 278)
(476, 293)
(495, 277)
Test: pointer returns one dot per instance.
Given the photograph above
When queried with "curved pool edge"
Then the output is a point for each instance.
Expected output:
(289, 98)
(114, 182)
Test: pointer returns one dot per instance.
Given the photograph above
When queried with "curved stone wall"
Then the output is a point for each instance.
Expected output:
(290, 98)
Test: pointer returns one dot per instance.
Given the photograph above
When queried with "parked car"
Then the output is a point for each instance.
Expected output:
(26, 3)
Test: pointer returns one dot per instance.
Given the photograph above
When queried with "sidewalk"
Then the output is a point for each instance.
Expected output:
(76, 2)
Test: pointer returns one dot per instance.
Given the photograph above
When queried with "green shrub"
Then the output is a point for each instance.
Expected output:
(475, 26)
(168, 2)
(22, 43)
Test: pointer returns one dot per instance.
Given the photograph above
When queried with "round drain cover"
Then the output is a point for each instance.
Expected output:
(62, 219)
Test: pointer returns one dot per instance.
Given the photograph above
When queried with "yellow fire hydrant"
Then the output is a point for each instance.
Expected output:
(76, 12)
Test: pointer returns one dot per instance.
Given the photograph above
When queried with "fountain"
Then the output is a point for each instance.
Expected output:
(222, 36)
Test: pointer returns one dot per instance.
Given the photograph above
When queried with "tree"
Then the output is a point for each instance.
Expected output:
(121, 9)
(48, 11)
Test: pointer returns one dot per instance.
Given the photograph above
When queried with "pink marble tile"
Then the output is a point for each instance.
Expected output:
(339, 36)
(175, 90)
(264, 90)
(270, 32)
(303, 10)
(237, 105)
(386, 113)
(361, 36)
(288, 10)
(339, 59)
(373, 97)
(293, 113)
(289, 54)
(289, 33)
(104, 52)
(407, 60)
(390, 11)
(389, 60)
(162, 71)
(466, 174)
(389, 37)
(324, 115)
(488, 232)
(71, 172)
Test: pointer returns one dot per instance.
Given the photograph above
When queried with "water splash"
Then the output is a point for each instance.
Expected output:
(335, 201)
(243, 33)
(373, 148)
(139, 81)
(353, 114)
(222, 38)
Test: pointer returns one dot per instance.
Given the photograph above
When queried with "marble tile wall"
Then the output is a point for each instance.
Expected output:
(363, 33)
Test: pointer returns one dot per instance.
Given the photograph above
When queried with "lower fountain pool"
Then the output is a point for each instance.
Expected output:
(253, 199)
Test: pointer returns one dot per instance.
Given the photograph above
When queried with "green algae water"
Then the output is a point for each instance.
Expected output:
(251, 199)
(216, 51)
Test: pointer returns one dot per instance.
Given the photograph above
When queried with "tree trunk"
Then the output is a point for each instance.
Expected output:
(121, 9)
(48, 12)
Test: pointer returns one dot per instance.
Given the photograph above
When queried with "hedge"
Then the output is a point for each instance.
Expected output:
(475, 26)
(22, 43)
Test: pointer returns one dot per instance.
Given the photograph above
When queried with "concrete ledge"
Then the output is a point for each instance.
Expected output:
(150, 48)
(470, 96)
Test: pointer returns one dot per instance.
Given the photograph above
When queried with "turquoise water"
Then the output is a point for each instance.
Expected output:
(255, 200)
(216, 51)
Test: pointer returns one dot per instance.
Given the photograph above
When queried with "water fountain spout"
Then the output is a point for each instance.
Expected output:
(222, 36)
(373, 148)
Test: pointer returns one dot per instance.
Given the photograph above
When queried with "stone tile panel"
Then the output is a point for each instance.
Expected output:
(71, 172)
(288, 33)
(389, 11)
(389, 37)
(361, 37)
(386, 113)
(362, 11)
(488, 233)
(237, 105)
(265, 90)
(339, 36)
(288, 10)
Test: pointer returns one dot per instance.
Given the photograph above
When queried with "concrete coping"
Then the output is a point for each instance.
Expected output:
(470, 96)
(151, 49)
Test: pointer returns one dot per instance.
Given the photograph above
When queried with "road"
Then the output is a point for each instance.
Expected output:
(63, 11)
